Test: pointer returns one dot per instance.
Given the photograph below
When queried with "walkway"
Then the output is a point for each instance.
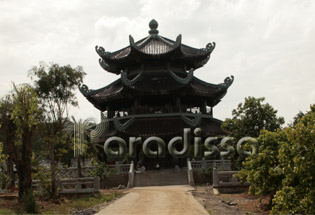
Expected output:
(156, 200)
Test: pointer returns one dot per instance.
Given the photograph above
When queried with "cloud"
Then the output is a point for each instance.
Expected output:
(267, 45)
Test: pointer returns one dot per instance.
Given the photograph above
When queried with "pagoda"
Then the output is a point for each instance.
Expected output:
(157, 93)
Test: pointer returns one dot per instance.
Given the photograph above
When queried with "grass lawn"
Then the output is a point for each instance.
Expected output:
(64, 205)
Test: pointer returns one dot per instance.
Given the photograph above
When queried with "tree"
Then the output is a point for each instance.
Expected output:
(285, 168)
(262, 170)
(296, 162)
(55, 86)
(252, 117)
(2, 161)
(25, 115)
(249, 119)
(81, 131)
(8, 133)
(296, 119)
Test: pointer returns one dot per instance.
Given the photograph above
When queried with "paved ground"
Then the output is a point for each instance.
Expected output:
(162, 200)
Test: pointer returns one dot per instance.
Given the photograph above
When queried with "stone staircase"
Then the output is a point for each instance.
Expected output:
(161, 178)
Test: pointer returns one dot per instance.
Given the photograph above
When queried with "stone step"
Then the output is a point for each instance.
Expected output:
(161, 178)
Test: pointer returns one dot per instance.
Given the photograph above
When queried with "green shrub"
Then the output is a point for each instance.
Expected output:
(207, 173)
(3, 179)
(29, 202)
(43, 175)
(101, 170)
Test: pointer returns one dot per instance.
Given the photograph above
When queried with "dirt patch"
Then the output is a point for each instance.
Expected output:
(242, 203)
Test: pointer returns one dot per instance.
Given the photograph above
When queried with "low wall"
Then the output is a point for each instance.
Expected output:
(114, 180)
(202, 179)
(224, 182)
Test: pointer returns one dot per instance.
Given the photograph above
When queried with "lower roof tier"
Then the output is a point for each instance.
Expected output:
(121, 93)
(164, 126)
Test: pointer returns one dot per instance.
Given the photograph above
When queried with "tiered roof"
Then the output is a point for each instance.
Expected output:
(155, 65)
(154, 47)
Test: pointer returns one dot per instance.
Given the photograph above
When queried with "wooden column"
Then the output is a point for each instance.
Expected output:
(178, 104)
(203, 109)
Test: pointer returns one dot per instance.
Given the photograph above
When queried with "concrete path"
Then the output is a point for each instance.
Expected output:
(175, 200)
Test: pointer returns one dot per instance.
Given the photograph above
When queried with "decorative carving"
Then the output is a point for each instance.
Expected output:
(100, 129)
(84, 90)
(101, 52)
(186, 80)
(209, 48)
(178, 41)
(121, 127)
(192, 122)
(128, 82)
(227, 83)
(103, 64)
(153, 27)
(131, 41)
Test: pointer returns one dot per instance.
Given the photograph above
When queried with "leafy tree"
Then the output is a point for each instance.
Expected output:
(284, 167)
(262, 169)
(249, 119)
(252, 117)
(7, 134)
(3, 177)
(296, 162)
(296, 119)
(25, 115)
(55, 86)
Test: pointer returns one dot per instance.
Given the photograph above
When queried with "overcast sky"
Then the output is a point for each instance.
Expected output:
(269, 46)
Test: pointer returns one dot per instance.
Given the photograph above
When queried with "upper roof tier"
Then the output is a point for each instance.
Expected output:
(154, 47)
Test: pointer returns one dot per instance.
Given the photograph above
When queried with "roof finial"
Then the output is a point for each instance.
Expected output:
(153, 26)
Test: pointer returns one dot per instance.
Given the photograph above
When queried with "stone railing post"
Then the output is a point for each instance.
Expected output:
(131, 175)
(215, 178)
(203, 163)
(96, 183)
(117, 169)
(77, 184)
(190, 173)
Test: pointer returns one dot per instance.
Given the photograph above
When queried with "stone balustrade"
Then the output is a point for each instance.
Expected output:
(219, 164)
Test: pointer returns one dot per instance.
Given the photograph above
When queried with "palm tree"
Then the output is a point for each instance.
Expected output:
(84, 132)
(81, 136)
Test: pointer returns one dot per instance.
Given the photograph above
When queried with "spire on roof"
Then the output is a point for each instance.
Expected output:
(153, 26)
